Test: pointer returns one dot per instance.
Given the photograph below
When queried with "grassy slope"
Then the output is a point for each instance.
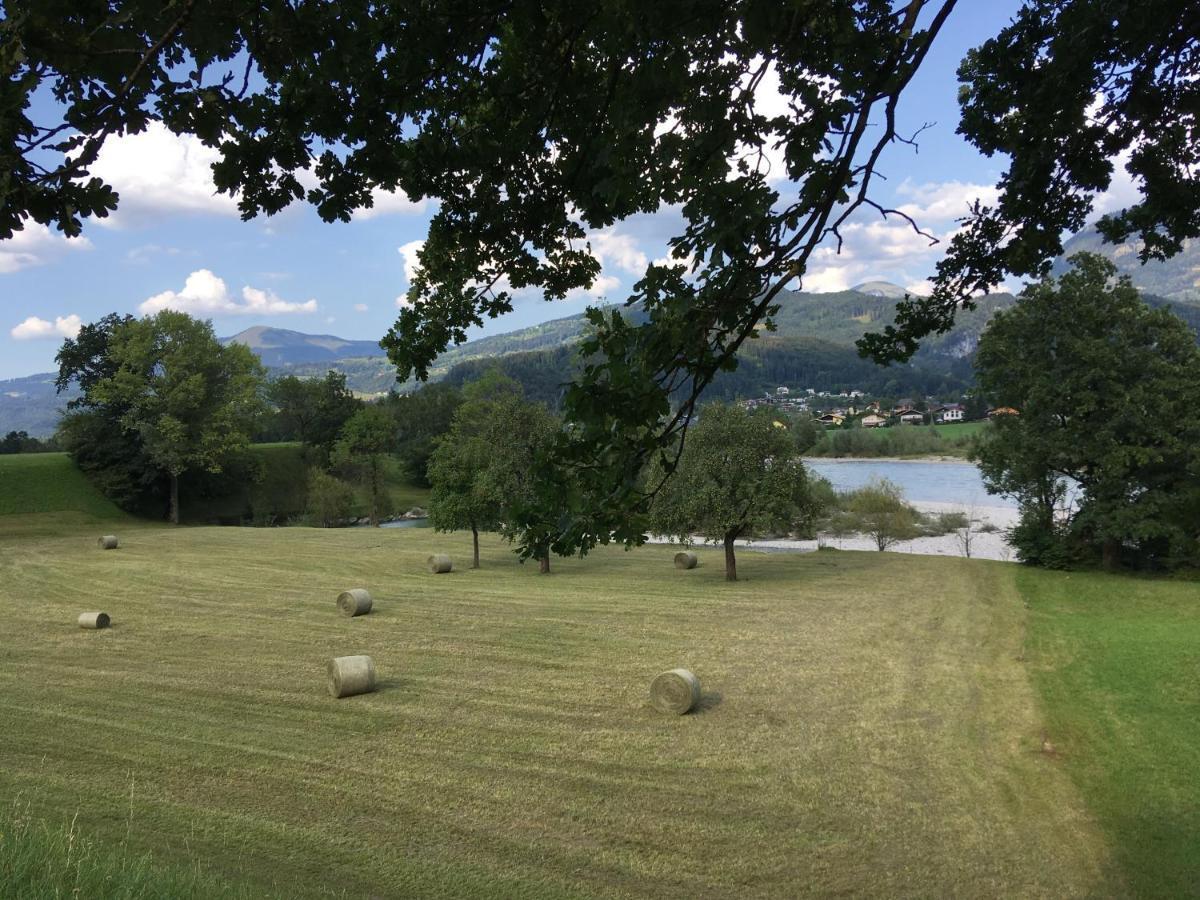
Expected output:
(49, 482)
(1117, 661)
(867, 728)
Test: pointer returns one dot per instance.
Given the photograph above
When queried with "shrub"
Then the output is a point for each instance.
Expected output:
(329, 499)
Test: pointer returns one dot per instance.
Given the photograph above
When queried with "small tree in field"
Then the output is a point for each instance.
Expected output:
(362, 450)
(483, 470)
(879, 510)
(739, 473)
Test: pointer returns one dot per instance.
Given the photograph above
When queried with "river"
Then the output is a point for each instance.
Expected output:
(958, 483)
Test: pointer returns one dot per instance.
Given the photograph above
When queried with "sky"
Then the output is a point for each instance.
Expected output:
(174, 242)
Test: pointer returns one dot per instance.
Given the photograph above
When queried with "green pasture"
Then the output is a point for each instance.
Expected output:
(872, 724)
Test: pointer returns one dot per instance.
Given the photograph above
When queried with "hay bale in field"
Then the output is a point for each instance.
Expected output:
(94, 620)
(676, 691)
(354, 602)
(440, 563)
(107, 542)
(350, 675)
(685, 560)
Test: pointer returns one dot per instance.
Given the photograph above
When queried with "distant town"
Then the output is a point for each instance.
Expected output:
(856, 409)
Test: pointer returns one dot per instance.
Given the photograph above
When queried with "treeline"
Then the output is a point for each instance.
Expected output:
(21, 442)
(762, 365)
(166, 416)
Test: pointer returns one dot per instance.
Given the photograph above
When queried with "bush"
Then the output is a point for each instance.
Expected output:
(879, 510)
(330, 499)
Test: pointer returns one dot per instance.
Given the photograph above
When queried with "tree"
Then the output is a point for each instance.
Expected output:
(534, 127)
(167, 390)
(329, 499)
(362, 450)
(1107, 393)
(739, 473)
(422, 417)
(878, 509)
(463, 467)
(313, 410)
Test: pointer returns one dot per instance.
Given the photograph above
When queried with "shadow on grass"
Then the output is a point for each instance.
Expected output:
(709, 700)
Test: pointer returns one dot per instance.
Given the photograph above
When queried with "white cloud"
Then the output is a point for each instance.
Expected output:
(34, 245)
(34, 328)
(945, 201)
(402, 302)
(158, 173)
(612, 248)
(205, 294)
(388, 203)
(360, 307)
(408, 253)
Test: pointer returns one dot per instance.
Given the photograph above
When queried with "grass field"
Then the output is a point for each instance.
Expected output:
(1118, 662)
(866, 727)
(910, 441)
(872, 724)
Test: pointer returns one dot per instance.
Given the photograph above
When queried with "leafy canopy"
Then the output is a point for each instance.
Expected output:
(739, 473)
(1107, 391)
(533, 125)
(168, 390)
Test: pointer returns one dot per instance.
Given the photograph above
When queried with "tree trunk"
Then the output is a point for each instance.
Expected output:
(1111, 554)
(173, 509)
(544, 564)
(730, 559)
(475, 540)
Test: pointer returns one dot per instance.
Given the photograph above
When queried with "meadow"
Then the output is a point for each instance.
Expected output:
(871, 723)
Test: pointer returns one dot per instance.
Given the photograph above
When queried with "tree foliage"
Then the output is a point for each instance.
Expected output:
(422, 417)
(739, 474)
(470, 479)
(535, 125)
(878, 509)
(312, 410)
(1107, 390)
(363, 448)
(163, 391)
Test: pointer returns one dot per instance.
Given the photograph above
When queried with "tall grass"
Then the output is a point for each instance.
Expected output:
(39, 860)
(900, 440)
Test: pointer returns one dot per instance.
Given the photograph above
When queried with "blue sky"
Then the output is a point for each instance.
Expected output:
(173, 242)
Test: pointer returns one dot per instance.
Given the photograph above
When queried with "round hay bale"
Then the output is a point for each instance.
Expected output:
(440, 563)
(94, 620)
(354, 602)
(107, 542)
(685, 560)
(676, 691)
(350, 675)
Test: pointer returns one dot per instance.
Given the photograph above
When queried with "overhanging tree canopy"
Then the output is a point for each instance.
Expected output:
(533, 124)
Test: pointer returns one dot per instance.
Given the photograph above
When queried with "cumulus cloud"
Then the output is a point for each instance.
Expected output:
(35, 245)
(158, 173)
(205, 294)
(621, 251)
(385, 203)
(34, 328)
(937, 203)
(408, 252)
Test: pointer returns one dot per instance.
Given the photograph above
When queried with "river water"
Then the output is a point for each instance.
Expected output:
(922, 482)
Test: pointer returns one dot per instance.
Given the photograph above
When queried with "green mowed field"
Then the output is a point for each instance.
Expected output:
(868, 725)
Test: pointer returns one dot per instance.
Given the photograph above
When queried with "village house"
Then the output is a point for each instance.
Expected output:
(874, 421)
(912, 417)
(832, 420)
(945, 415)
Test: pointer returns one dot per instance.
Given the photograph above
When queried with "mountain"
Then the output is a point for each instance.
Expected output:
(32, 404)
(813, 342)
(1177, 278)
(279, 348)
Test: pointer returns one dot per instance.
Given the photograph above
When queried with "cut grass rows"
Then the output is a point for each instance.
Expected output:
(866, 726)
